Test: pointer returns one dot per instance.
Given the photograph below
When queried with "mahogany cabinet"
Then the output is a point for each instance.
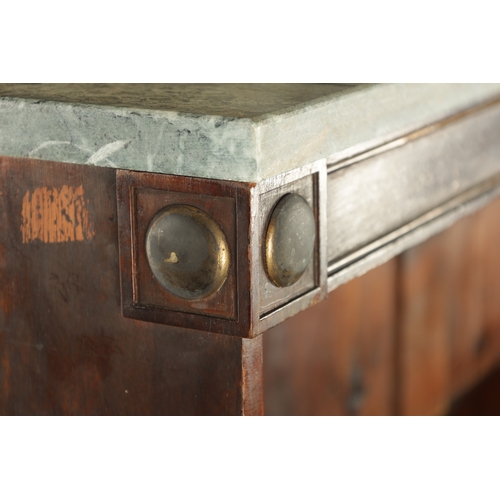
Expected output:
(411, 337)
(247, 249)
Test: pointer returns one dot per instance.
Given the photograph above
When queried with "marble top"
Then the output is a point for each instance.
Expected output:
(244, 132)
(217, 99)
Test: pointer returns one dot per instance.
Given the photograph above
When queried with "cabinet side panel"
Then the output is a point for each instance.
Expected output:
(65, 347)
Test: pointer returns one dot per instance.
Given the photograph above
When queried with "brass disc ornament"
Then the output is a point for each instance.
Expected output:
(187, 252)
(290, 240)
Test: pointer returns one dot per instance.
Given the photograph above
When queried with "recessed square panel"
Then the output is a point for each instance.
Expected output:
(271, 295)
(144, 198)
(148, 291)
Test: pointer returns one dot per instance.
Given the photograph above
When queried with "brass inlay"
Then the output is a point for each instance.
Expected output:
(290, 240)
(187, 252)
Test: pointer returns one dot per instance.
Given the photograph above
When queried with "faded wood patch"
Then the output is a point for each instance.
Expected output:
(55, 215)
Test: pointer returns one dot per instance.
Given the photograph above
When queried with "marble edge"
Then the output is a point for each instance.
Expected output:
(129, 138)
(125, 110)
(229, 148)
(357, 121)
(312, 105)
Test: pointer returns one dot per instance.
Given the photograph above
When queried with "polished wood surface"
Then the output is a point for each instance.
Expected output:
(336, 358)
(450, 314)
(65, 347)
(407, 338)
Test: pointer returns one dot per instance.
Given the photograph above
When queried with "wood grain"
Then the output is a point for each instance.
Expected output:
(424, 349)
(407, 337)
(450, 323)
(336, 358)
(65, 347)
(376, 195)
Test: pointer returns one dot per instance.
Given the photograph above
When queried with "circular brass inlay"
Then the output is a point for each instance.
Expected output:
(187, 252)
(290, 239)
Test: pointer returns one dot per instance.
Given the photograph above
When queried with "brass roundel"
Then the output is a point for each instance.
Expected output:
(187, 252)
(290, 240)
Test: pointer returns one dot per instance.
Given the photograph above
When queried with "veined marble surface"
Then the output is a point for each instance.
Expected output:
(244, 132)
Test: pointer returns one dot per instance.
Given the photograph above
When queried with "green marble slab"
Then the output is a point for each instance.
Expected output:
(244, 132)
